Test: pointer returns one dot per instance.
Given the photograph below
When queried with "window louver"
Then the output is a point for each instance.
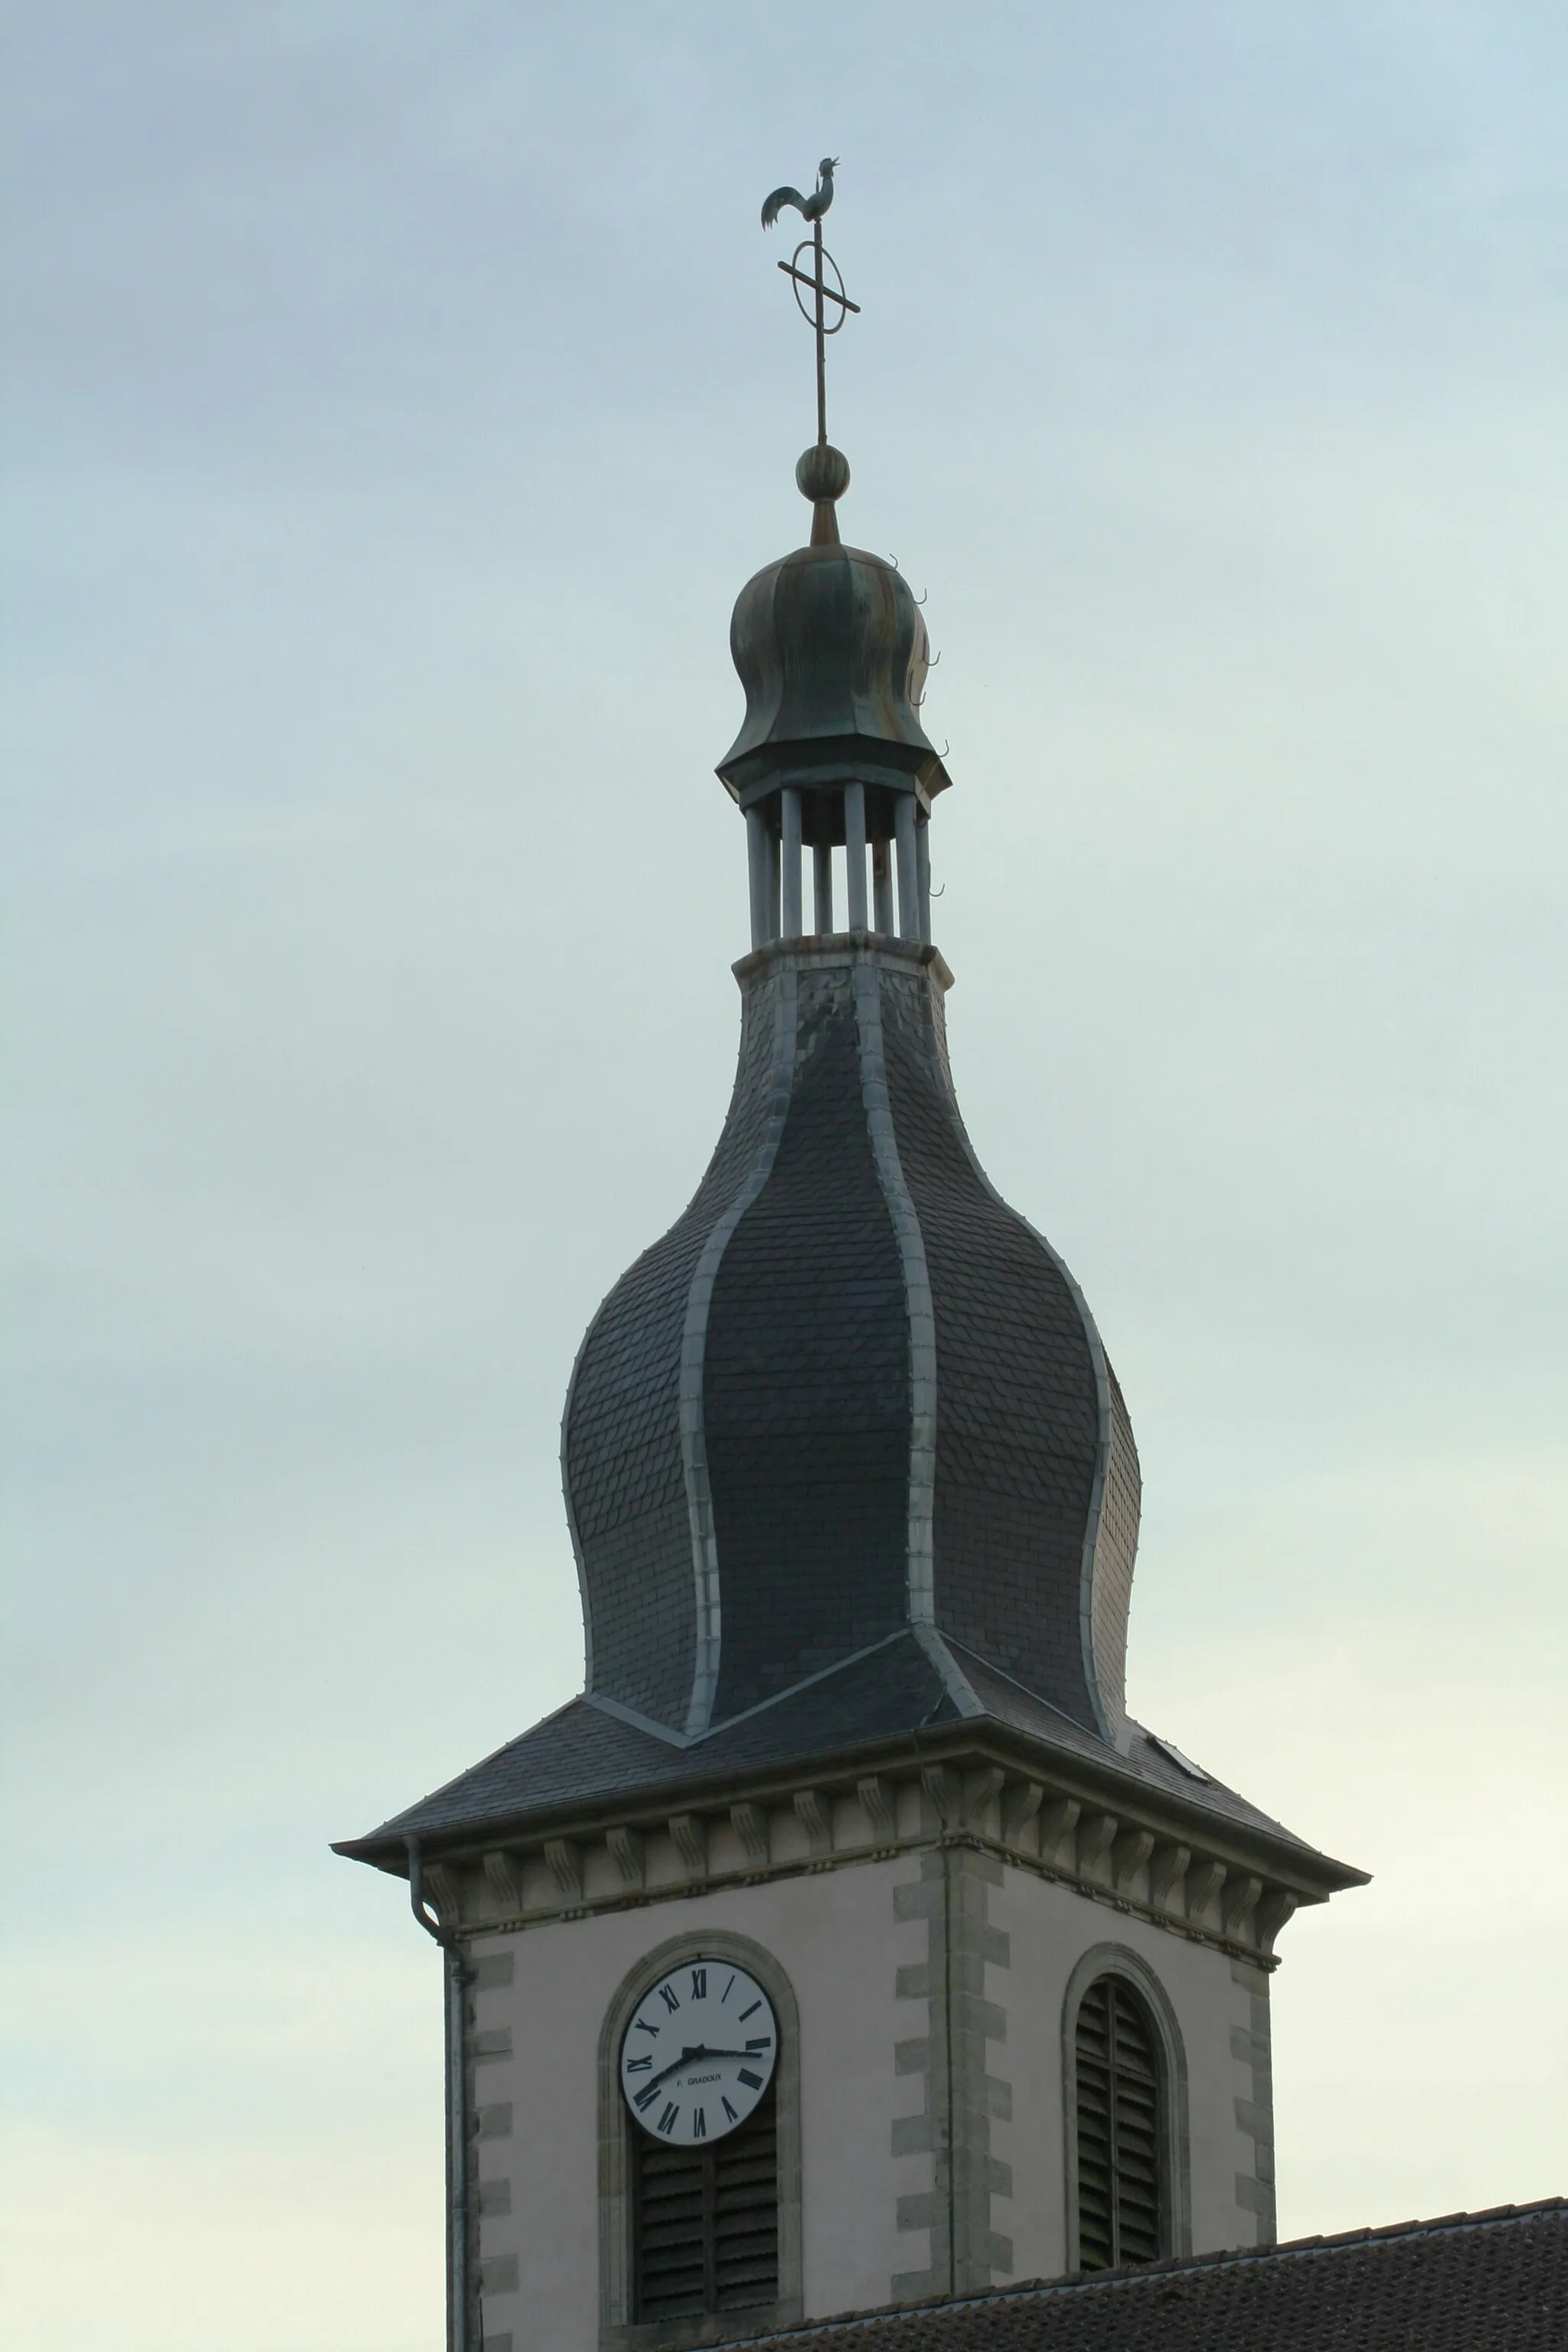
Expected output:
(707, 2222)
(1119, 2185)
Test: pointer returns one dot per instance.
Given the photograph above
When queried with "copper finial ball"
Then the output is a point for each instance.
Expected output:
(822, 472)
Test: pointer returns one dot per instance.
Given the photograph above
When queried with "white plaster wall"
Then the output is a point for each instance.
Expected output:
(1049, 1929)
(835, 1936)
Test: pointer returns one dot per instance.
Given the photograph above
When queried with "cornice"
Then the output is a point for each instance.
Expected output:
(1108, 1835)
(818, 951)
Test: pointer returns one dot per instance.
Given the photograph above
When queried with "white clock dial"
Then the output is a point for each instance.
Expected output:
(699, 2053)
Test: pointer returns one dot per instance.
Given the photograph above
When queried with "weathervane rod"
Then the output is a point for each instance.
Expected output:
(821, 341)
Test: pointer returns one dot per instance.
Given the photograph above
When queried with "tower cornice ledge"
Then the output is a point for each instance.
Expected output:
(820, 951)
(1097, 1827)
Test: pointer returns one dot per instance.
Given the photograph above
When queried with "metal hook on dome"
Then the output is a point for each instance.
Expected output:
(920, 600)
(933, 661)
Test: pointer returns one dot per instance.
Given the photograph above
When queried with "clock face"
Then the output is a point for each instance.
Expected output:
(699, 2053)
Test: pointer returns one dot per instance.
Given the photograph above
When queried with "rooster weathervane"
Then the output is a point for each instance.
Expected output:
(813, 280)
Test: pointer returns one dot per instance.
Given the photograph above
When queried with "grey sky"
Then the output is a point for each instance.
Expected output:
(399, 398)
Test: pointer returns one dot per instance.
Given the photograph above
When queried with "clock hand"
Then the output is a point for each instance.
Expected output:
(685, 2059)
(688, 2058)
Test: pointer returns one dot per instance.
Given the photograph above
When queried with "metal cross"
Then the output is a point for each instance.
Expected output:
(822, 294)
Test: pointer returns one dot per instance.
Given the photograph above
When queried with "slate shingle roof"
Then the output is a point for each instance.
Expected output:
(850, 1386)
(845, 1458)
(581, 1756)
(1495, 2282)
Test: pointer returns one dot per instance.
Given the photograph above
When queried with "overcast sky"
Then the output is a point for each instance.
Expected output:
(399, 396)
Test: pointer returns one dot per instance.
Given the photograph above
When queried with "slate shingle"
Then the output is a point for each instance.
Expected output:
(1492, 2282)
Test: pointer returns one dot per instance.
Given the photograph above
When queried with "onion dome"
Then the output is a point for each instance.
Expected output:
(851, 1395)
(832, 650)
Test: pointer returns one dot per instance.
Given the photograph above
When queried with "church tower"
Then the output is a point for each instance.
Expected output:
(846, 1942)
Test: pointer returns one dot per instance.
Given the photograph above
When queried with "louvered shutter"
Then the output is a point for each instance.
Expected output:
(705, 2222)
(746, 2214)
(1119, 2185)
(671, 2197)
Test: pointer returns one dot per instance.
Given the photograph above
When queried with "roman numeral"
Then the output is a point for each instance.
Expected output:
(729, 2110)
(752, 2082)
(763, 2041)
(670, 1997)
(727, 1992)
(749, 2012)
(644, 2027)
(646, 2098)
(639, 2066)
(666, 2121)
(698, 1984)
(699, 2128)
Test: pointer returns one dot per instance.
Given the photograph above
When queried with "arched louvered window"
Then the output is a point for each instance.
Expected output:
(705, 2222)
(1121, 2197)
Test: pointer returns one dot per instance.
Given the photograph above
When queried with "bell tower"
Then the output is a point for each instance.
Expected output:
(846, 1942)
